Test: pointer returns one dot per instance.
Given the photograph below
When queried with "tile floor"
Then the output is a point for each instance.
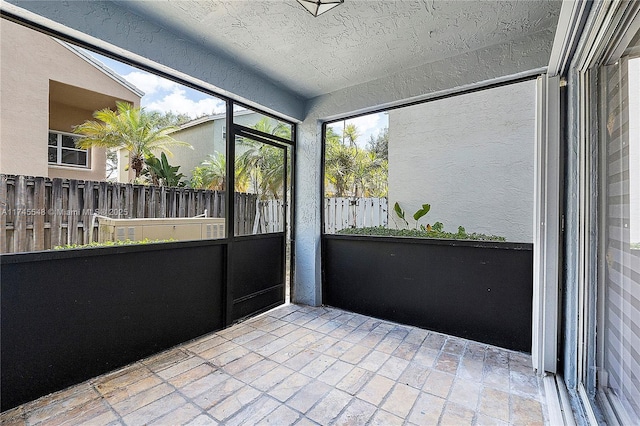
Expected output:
(305, 366)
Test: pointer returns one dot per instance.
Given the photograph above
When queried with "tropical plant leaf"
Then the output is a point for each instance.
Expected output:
(423, 211)
(398, 210)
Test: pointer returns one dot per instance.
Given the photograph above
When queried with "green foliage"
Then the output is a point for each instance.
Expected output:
(351, 170)
(161, 172)
(212, 174)
(421, 212)
(428, 231)
(399, 212)
(380, 144)
(261, 167)
(130, 128)
(170, 118)
(419, 233)
(111, 244)
(635, 246)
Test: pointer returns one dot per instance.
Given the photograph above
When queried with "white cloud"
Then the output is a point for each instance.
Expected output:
(178, 102)
(366, 123)
(150, 83)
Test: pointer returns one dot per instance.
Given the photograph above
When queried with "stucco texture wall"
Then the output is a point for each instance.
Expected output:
(470, 157)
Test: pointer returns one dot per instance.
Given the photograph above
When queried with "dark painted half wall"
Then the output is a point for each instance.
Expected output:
(71, 315)
(477, 290)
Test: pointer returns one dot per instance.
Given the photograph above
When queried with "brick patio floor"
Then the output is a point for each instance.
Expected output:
(304, 365)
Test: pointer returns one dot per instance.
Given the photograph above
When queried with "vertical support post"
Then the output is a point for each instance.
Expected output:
(547, 226)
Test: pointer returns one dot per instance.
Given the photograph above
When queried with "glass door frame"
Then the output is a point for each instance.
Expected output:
(603, 43)
(288, 232)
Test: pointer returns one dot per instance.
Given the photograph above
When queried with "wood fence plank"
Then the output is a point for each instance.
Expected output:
(182, 208)
(375, 212)
(56, 212)
(141, 204)
(20, 221)
(191, 203)
(103, 198)
(152, 202)
(222, 207)
(199, 203)
(86, 209)
(39, 209)
(163, 201)
(74, 213)
(128, 200)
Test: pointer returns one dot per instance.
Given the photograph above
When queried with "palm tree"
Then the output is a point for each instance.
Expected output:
(340, 163)
(212, 174)
(351, 171)
(263, 163)
(130, 128)
(350, 132)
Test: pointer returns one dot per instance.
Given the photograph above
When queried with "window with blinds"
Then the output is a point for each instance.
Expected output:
(619, 374)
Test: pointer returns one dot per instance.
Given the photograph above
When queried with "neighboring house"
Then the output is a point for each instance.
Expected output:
(208, 135)
(47, 87)
(471, 157)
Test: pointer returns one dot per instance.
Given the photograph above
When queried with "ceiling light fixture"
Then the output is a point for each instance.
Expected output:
(318, 7)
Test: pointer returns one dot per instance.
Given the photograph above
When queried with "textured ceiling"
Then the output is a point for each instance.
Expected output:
(356, 42)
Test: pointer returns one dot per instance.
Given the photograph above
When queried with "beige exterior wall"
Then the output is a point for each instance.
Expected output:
(45, 86)
(207, 138)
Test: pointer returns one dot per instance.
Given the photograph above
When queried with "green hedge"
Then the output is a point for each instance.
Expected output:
(111, 244)
(419, 233)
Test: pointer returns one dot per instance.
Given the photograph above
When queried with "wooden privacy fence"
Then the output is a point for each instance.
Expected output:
(340, 213)
(38, 213)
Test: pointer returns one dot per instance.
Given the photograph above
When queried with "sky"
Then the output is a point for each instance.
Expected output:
(367, 125)
(165, 95)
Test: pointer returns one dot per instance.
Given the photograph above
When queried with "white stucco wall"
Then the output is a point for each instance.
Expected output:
(470, 157)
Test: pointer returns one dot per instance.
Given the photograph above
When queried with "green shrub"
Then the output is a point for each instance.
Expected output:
(111, 244)
(435, 232)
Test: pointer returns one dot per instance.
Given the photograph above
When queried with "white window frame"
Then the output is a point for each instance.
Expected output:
(60, 148)
(604, 41)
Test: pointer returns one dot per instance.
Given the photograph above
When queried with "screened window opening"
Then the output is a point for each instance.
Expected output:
(262, 186)
(144, 158)
(460, 167)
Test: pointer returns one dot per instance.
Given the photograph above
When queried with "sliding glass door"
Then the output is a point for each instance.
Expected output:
(619, 274)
